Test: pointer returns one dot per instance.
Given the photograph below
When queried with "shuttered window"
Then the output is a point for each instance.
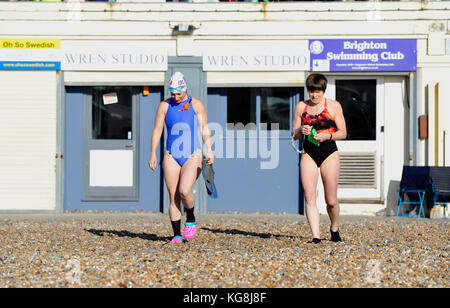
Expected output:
(28, 140)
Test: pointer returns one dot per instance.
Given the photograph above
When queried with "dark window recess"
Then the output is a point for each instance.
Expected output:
(241, 109)
(275, 107)
(359, 103)
(111, 113)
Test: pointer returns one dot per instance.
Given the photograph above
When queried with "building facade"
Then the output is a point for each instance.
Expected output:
(80, 84)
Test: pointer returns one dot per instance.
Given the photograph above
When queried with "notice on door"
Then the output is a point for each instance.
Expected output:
(110, 98)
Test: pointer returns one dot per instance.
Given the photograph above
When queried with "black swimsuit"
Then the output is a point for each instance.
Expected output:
(323, 122)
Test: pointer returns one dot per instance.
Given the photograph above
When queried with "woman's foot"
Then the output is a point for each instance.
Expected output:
(335, 237)
(176, 239)
(315, 241)
(190, 230)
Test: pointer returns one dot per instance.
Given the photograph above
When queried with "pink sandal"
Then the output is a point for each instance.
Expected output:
(190, 230)
(176, 239)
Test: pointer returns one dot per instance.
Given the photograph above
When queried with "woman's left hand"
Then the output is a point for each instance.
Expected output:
(321, 137)
(210, 157)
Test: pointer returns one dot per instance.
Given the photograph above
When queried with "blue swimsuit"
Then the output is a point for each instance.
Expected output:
(182, 130)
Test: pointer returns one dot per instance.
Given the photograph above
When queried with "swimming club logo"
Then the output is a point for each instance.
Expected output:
(316, 47)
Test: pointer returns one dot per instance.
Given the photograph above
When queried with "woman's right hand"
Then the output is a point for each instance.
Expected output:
(153, 161)
(305, 129)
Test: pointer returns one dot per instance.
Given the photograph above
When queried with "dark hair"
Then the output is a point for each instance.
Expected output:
(316, 82)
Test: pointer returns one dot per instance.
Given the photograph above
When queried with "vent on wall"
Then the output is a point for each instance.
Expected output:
(358, 170)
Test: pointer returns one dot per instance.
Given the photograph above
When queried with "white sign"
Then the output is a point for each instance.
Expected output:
(112, 56)
(110, 98)
(279, 61)
(48, 55)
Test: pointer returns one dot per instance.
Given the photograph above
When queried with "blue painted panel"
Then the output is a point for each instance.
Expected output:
(73, 153)
(149, 182)
(243, 186)
(241, 182)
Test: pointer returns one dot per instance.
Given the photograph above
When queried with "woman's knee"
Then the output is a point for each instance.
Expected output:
(310, 197)
(331, 202)
(185, 193)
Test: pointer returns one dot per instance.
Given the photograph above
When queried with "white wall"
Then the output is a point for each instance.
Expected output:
(433, 90)
(394, 140)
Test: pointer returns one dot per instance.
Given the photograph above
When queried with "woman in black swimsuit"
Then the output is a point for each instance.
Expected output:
(327, 118)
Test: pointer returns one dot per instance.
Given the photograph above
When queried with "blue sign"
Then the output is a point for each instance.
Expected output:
(30, 65)
(359, 55)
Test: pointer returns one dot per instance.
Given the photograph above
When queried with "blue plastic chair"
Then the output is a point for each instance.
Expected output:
(414, 183)
(440, 187)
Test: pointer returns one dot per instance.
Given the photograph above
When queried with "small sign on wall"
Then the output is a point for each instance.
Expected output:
(29, 54)
(112, 56)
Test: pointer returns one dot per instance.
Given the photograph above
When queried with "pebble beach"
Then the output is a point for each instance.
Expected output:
(131, 250)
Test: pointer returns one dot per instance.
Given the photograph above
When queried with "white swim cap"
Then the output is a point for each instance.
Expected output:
(177, 83)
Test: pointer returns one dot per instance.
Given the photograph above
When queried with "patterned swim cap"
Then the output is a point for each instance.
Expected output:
(177, 83)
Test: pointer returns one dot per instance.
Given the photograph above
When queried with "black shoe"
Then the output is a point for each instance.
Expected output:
(315, 241)
(335, 237)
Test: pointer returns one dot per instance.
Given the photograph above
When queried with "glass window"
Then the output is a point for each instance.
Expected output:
(275, 107)
(359, 102)
(241, 109)
(112, 112)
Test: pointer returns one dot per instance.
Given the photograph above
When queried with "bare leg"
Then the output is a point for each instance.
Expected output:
(172, 176)
(329, 171)
(189, 174)
(310, 176)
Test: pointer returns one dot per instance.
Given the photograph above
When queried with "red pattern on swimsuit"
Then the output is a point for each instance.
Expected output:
(322, 123)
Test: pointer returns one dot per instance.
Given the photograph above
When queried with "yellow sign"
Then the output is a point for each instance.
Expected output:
(29, 43)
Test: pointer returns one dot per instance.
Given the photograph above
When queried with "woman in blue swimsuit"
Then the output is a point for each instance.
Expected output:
(182, 163)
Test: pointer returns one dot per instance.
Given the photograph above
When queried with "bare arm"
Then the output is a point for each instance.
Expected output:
(297, 128)
(202, 116)
(157, 132)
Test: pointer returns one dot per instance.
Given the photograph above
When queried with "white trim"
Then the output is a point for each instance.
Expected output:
(130, 78)
(232, 79)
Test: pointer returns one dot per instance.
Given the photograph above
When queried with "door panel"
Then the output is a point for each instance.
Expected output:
(360, 154)
(149, 197)
(110, 143)
(247, 178)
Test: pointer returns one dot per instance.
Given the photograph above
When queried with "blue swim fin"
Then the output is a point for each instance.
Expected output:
(211, 190)
(208, 175)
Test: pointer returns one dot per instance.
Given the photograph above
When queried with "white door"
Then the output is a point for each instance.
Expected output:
(361, 153)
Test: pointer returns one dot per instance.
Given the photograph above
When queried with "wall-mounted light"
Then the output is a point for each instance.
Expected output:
(183, 29)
